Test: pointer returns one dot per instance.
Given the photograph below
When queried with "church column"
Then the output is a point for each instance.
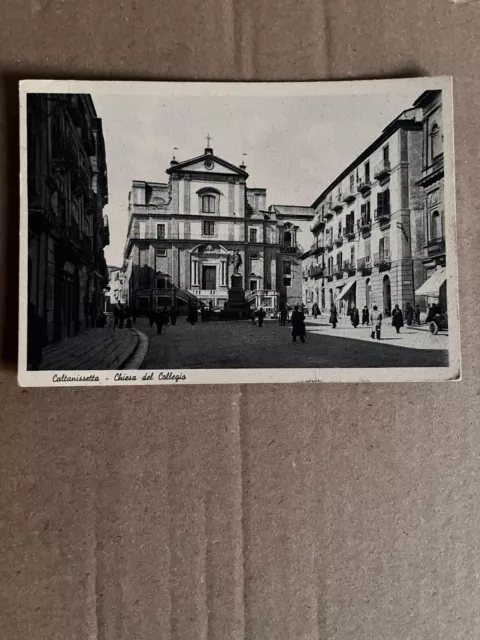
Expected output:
(231, 193)
(186, 193)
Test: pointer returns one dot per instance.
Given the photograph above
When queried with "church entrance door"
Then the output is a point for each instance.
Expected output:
(209, 278)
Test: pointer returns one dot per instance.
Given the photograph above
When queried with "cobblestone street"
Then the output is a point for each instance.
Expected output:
(238, 344)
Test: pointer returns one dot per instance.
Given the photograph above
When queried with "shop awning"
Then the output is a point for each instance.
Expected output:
(341, 294)
(432, 286)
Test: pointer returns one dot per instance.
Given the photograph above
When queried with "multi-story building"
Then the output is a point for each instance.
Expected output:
(115, 293)
(67, 231)
(368, 237)
(184, 235)
(431, 231)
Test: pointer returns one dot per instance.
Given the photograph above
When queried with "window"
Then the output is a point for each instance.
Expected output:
(160, 231)
(339, 261)
(161, 253)
(287, 239)
(383, 203)
(436, 226)
(254, 255)
(367, 171)
(208, 204)
(142, 226)
(435, 141)
(368, 254)
(253, 235)
(352, 255)
(208, 228)
(287, 282)
(143, 257)
(386, 154)
(352, 178)
(384, 248)
(287, 268)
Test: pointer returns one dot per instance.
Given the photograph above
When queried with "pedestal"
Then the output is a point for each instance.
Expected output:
(236, 306)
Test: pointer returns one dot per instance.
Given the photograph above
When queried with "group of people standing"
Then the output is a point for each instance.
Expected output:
(124, 315)
(161, 317)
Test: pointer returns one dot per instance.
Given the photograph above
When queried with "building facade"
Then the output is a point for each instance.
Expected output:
(368, 234)
(431, 230)
(115, 293)
(184, 236)
(67, 231)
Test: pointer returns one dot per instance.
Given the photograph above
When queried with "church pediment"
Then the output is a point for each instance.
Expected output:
(210, 249)
(208, 164)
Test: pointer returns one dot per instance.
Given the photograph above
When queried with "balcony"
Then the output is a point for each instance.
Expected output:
(329, 244)
(316, 271)
(349, 267)
(338, 270)
(382, 261)
(350, 195)
(383, 216)
(364, 225)
(382, 170)
(435, 247)
(317, 249)
(338, 241)
(318, 223)
(284, 249)
(329, 276)
(329, 213)
(337, 204)
(364, 186)
(349, 232)
(364, 266)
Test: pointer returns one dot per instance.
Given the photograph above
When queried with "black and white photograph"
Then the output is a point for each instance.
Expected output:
(193, 233)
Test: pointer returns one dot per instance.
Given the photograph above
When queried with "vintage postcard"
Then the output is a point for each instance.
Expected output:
(192, 233)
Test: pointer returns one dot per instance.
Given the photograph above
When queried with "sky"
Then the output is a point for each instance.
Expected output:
(295, 145)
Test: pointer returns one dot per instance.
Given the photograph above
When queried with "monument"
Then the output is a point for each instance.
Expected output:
(236, 306)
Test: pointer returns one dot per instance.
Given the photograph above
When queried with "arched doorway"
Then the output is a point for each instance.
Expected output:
(368, 293)
(387, 295)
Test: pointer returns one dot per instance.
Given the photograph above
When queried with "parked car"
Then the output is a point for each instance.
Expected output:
(438, 323)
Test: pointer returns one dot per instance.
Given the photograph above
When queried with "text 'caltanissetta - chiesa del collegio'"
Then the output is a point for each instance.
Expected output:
(187, 235)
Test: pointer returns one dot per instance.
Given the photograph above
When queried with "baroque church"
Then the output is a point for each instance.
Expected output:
(187, 235)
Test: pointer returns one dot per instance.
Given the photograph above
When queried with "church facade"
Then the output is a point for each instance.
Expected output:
(187, 235)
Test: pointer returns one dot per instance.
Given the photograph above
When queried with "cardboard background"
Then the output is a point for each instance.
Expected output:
(302, 511)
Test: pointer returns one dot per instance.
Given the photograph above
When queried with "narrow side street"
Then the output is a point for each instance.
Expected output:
(240, 344)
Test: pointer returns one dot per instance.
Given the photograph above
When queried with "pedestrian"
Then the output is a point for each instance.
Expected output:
(409, 314)
(35, 338)
(315, 310)
(376, 322)
(298, 325)
(365, 315)
(151, 316)
(417, 315)
(333, 316)
(253, 316)
(121, 317)
(283, 315)
(128, 318)
(355, 317)
(159, 320)
(173, 316)
(397, 318)
(261, 315)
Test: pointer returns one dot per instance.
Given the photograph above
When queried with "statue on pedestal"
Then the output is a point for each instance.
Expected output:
(237, 262)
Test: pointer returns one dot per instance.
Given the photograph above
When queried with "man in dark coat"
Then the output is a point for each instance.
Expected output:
(173, 316)
(397, 318)
(159, 320)
(151, 316)
(261, 315)
(365, 315)
(333, 316)
(355, 317)
(298, 324)
(283, 315)
(409, 314)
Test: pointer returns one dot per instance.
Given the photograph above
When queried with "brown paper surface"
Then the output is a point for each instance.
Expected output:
(287, 511)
